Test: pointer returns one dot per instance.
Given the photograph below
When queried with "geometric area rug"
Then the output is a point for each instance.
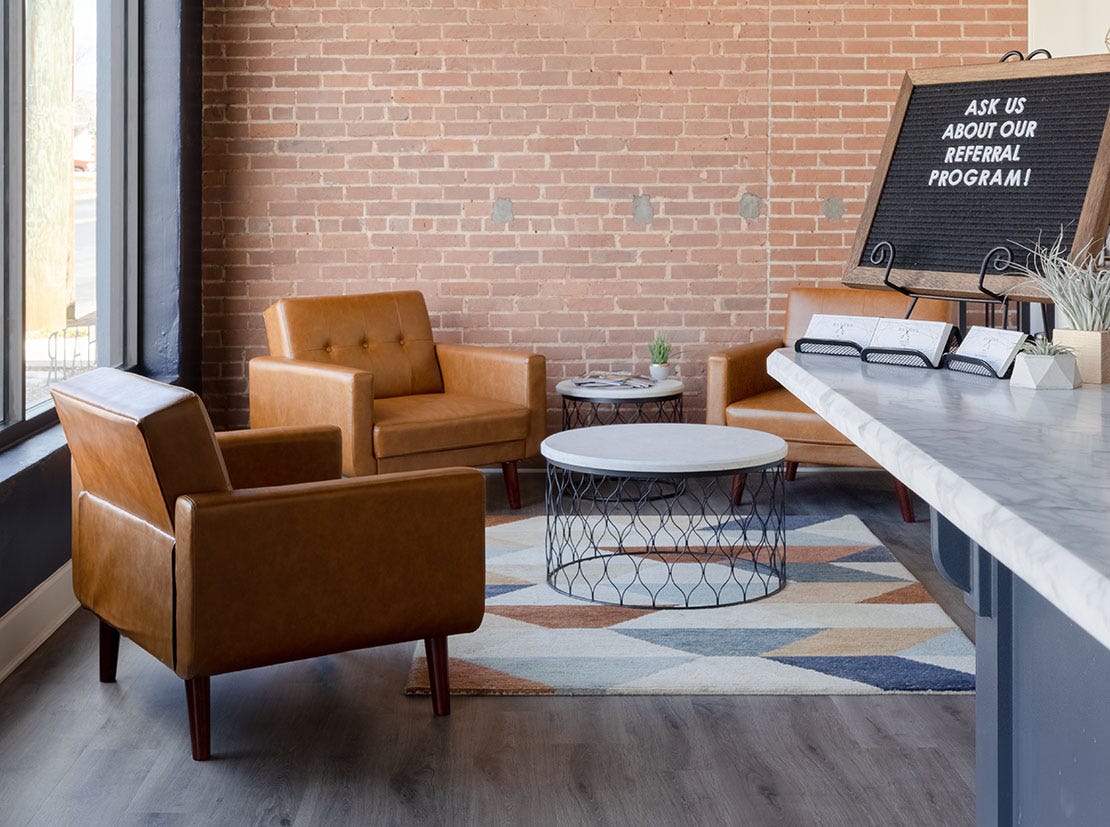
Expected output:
(851, 620)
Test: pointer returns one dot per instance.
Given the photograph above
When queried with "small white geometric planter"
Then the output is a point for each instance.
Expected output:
(1059, 372)
(660, 372)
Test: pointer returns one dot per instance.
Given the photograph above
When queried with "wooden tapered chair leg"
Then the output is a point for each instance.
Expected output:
(435, 649)
(905, 501)
(737, 492)
(512, 483)
(109, 652)
(791, 471)
(198, 698)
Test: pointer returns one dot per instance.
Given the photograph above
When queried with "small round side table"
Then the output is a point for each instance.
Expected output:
(585, 406)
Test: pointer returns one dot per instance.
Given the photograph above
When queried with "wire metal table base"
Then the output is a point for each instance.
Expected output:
(583, 413)
(666, 541)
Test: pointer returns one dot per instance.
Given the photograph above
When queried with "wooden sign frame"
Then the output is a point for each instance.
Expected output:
(1092, 222)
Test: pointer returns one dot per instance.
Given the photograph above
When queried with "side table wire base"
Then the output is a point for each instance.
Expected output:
(665, 541)
(584, 413)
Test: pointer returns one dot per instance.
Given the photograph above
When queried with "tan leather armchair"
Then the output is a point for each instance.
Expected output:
(740, 392)
(368, 364)
(221, 553)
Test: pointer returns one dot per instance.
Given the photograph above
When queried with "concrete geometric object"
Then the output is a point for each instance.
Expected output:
(1092, 349)
(1059, 372)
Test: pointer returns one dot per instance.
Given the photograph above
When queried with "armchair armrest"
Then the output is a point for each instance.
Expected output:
(281, 456)
(268, 575)
(298, 393)
(737, 373)
(505, 375)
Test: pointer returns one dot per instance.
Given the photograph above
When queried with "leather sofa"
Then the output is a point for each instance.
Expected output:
(368, 364)
(739, 391)
(216, 553)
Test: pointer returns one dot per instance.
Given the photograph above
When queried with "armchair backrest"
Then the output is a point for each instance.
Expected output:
(802, 303)
(139, 444)
(387, 334)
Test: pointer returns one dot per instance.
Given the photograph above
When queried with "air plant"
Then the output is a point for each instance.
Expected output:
(1080, 289)
(1040, 346)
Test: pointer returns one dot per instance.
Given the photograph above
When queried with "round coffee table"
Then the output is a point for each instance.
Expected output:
(586, 406)
(645, 515)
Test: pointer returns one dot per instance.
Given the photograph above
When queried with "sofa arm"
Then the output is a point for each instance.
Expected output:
(268, 575)
(737, 373)
(281, 456)
(297, 393)
(505, 375)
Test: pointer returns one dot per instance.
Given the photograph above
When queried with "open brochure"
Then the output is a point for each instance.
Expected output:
(997, 348)
(854, 329)
(927, 338)
(603, 379)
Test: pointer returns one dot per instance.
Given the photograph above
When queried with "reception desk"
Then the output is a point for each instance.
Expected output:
(1018, 482)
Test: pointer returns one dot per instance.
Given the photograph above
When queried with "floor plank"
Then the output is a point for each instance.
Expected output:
(333, 740)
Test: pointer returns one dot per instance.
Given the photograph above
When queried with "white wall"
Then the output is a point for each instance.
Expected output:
(1069, 27)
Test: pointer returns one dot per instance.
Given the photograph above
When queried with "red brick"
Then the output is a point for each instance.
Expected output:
(351, 147)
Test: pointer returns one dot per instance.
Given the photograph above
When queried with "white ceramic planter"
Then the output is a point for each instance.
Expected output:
(1092, 349)
(661, 372)
(1059, 372)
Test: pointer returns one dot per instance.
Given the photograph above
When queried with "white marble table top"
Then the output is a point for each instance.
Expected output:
(665, 387)
(663, 448)
(1024, 473)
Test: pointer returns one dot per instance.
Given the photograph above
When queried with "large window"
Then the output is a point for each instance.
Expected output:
(68, 164)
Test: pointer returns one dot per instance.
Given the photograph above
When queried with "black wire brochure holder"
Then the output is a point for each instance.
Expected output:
(906, 357)
(974, 365)
(827, 347)
(969, 364)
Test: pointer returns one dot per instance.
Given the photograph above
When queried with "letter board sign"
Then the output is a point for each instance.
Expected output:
(981, 156)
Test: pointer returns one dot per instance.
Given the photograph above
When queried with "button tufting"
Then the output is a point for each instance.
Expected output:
(327, 348)
(365, 344)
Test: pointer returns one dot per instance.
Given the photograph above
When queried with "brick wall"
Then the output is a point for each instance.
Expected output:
(565, 177)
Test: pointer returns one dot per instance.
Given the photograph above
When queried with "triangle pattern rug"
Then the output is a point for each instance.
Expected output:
(851, 621)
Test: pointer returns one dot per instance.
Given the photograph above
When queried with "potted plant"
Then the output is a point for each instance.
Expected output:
(1045, 365)
(1080, 290)
(660, 350)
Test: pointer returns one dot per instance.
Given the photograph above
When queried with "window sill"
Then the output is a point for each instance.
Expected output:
(29, 453)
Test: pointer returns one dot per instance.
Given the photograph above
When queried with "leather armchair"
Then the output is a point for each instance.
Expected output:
(739, 391)
(221, 553)
(368, 365)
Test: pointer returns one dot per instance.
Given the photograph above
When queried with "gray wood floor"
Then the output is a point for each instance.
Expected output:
(333, 740)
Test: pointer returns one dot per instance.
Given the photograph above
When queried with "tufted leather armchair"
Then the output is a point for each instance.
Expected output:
(217, 553)
(368, 365)
(740, 392)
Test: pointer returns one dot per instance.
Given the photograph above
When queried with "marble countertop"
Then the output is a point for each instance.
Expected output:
(663, 448)
(1024, 473)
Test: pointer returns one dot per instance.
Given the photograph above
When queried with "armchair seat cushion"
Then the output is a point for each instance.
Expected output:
(780, 412)
(425, 423)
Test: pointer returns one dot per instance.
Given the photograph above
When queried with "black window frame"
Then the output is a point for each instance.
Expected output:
(119, 27)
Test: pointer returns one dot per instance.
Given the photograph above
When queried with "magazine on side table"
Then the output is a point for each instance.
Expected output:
(608, 379)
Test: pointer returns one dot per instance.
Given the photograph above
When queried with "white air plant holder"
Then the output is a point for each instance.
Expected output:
(1056, 372)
